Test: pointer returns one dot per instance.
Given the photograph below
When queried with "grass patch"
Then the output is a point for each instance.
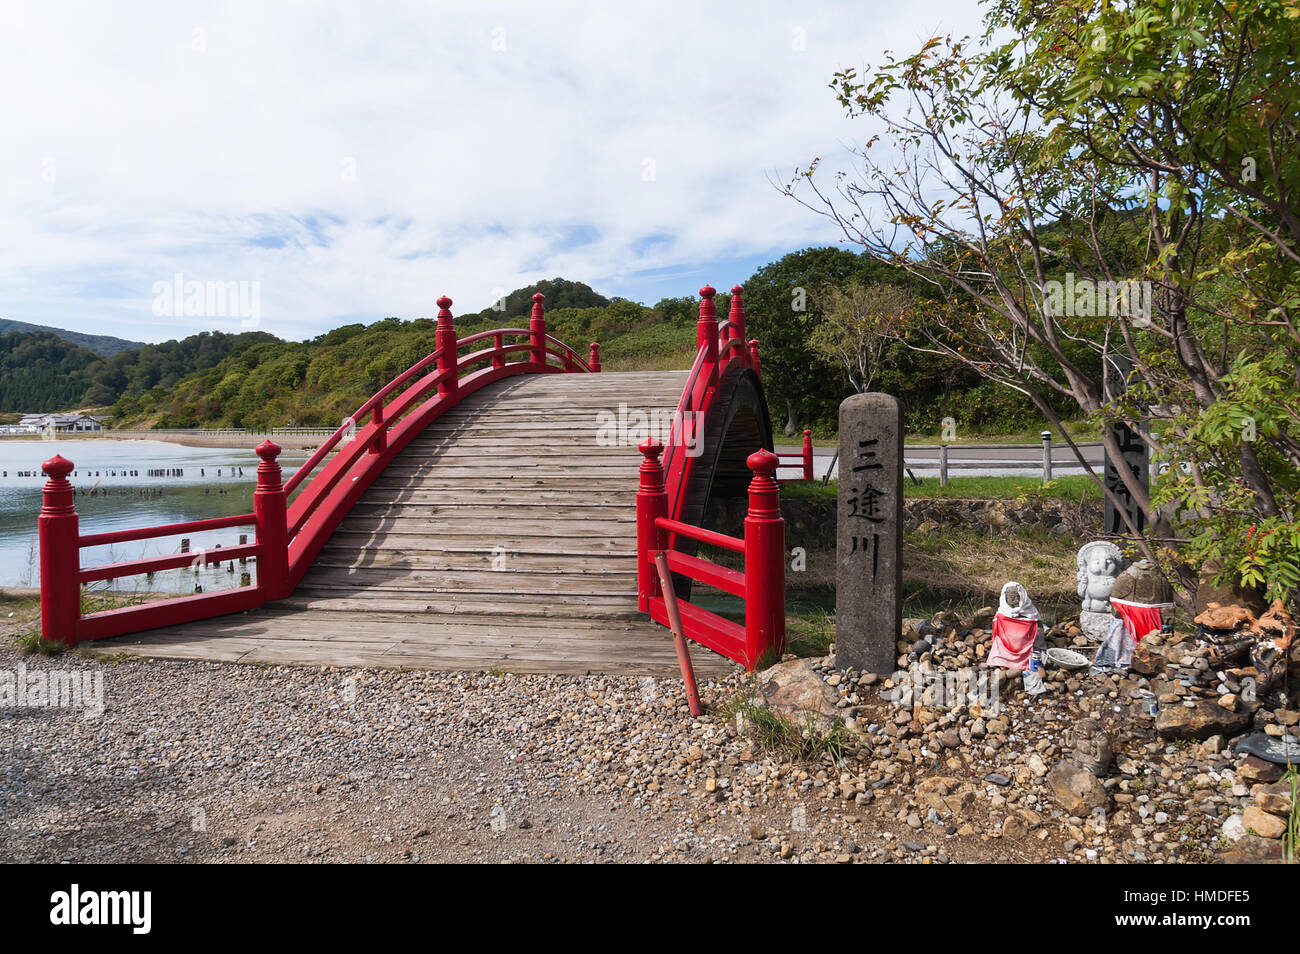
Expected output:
(1078, 430)
(809, 631)
(782, 739)
(964, 571)
(32, 643)
(1073, 487)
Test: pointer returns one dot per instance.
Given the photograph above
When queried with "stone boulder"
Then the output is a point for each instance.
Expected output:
(1076, 789)
(1199, 721)
(796, 691)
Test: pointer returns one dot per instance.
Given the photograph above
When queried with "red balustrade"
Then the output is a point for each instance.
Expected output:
(803, 459)
(288, 535)
(761, 584)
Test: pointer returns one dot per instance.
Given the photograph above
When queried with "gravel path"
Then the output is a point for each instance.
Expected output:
(216, 762)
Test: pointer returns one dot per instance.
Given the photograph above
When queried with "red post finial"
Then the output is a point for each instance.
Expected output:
(707, 308)
(268, 471)
(537, 330)
(57, 467)
(763, 463)
(444, 307)
(736, 328)
(594, 363)
(753, 356)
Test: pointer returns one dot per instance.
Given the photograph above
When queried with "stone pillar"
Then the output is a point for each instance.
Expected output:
(869, 534)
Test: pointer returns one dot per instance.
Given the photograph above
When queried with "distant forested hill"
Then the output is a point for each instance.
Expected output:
(103, 345)
(43, 371)
(276, 383)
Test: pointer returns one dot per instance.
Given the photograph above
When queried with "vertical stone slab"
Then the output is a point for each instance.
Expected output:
(869, 534)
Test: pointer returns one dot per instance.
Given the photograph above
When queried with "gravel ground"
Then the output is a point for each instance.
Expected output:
(215, 762)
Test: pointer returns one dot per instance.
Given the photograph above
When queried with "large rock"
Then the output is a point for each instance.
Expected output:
(1199, 721)
(796, 691)
(1076, 789)
(1208, 592)
(1253, 850)
(1260, 822)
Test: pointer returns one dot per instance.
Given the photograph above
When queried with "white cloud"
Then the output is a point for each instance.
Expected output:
(214, 140)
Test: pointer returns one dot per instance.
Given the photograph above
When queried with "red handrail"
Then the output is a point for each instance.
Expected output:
(288, 536)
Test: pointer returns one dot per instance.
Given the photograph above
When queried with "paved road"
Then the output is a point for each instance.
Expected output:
(975, 460)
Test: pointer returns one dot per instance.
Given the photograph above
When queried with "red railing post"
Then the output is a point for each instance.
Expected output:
(736, 317)
(651, 504)
(272, 528)
(807, 455)
(764, 564)
(753, 356)
(594, 363)
(537, 329)
(380, 442)
(57, 530)
(706, 331)
(498, 359)
(445, 341)
(568, 361)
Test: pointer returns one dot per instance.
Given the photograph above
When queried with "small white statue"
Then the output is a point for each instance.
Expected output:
(1100, 564)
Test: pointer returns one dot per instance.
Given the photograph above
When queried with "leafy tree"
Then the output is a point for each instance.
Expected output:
(1107, 147)
(858, 322)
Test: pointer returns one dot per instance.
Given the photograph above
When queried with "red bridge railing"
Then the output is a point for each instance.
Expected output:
(661, 503)
(288, 536)
(761, 584)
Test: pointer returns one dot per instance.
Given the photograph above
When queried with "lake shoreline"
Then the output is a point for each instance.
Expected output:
(220, 441)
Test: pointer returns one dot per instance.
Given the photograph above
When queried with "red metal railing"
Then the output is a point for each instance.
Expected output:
(288, 536)
(803, 459)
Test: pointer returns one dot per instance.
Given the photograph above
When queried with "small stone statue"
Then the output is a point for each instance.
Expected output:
(1092, 747)
(1100, 563)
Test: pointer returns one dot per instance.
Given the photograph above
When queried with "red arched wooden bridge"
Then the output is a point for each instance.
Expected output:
(484, 509)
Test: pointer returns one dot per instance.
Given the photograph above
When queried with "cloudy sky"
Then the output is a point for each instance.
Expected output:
(358, 160)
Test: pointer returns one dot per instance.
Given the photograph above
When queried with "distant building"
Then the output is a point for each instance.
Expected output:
(62, 423)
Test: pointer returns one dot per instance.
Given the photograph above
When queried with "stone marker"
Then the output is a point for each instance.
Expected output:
(869, 534)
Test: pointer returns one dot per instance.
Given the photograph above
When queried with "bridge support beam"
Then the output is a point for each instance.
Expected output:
(57, 530)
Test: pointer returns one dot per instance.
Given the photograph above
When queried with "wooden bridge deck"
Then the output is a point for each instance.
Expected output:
(503, 537)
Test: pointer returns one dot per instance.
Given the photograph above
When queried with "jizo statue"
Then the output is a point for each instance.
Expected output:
(1100, 564)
